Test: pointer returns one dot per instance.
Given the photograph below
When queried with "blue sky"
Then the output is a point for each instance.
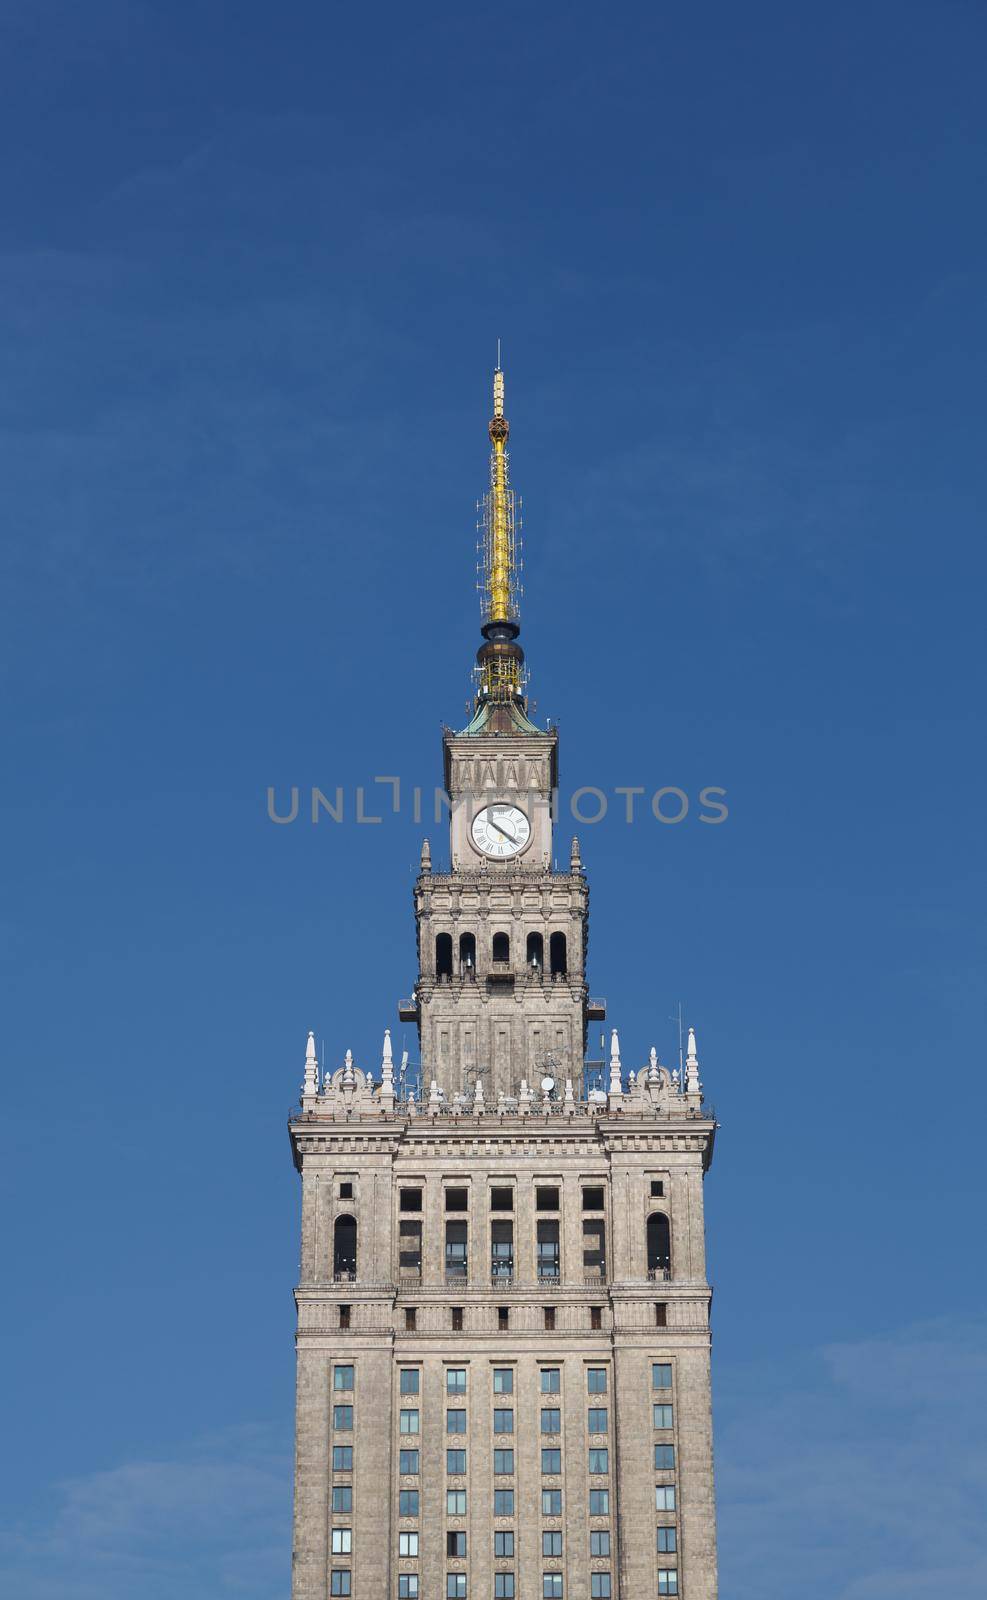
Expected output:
(253, 264)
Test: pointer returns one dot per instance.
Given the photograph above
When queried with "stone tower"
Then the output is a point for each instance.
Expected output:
(503, 1313)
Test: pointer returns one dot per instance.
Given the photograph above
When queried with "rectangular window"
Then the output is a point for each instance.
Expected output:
(342, 1458)
(502, 1249)
(407, 1544)
(342, 1377)
(594, 1248)
(339, 1582)
(549, 1319)
(551, 1543)
(596, 1317)
(657, 1189)
(599, 1542)
(342, 1541)
(411, 1199)
(599, 1461)
(668, 1580)
(502, 1199)
(503, 1380)
(457, 1199)
(551, 1585)
(504, 1543)
(410, 1248)
(408, 1503)
(342, 1497)
(596, 1419)
(551, 1461)
(548, 1248)
(409, 1421)
(455, 1543)
(346, 1191)
(503, 1462)
(410, 1319)
(503, 1318)
(599, 1585)
(664, 1457)
(665, 1497)
(456, 1463)
(551, 1502)
(455, 1380)
(596, 1380)
(599, 1502)
(667, 1542)
(455, 1585)
(410, 1380)
(546, 1199)
(455, 1422)
(551, 1419)
(344, 1318)
(457, 1319)
(408, 1586)
(456, 1502)
(503, 1586)
(593, 1199)
(661, 1314)
(503, 1420)
(408, 1463)
(456, 1242)
(342, 1419)
(551, 1380)
(661, 1375)
(503, 1502)
(661, 1416)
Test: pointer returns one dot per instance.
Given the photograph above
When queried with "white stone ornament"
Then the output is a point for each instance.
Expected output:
(310, 1086)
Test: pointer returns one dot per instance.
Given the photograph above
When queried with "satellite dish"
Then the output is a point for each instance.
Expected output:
(547, 1085)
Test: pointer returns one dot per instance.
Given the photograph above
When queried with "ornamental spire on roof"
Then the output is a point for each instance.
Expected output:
(501, 659)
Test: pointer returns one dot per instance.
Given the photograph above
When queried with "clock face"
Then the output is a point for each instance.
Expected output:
(500, 831)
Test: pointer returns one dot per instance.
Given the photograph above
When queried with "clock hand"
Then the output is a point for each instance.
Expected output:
(510, 837)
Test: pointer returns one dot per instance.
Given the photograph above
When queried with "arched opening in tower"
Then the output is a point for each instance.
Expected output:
(659, 1243)
(467, 953)
(344, 1247)
(535, 952)
(557, 955)
(443, 955)
(501, 948)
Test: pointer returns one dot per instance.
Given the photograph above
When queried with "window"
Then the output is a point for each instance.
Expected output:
(410, 1247)
(661, 1416)
(534, 951)
(410, 1380)
(551, 1585)
(456, 1502)
(503, 1462)
(457, 1199)
(551, 1543)
(467, 953)
(457, 1319)
(503, 1502)
(339, 1582)
(593, 1199)
(501, 948)
(410, 1199)
(596, 1380)
(409, 1421)
(661, 1375)
(657, 1189)
(546, 1199)
(344, 1247)
(503, 1318)
(551, 1502)
(344, 1316)
(407, 1544)
(551, 1419)
(408, 1463)
(659, 1243)
(455, 1463)
(665, 1497)
(504, 1543)
(503, 1586)
(502, 1199)
(599, 1542)
(598, 1461)
(455, 1422)
(456, 1241)
(502, 1249)
(596, 1317)
(342, 1418)
(594, 1248)
(551, 1380)
(599, 1502)
(599, 1585)
(661, 1314)
(551, 1461)
(503, 1421)
(455, 1585)
(503, 1380)
(455, 1543)
(410, 1319)
(455, 1380)
(443, 955)
(342, 1458)
(342, 1377)
(408, 1586)
(408, 1503)
(346, 1191)
(668, 1580)
(342, 1497)
(550, 1319)
(557, 955)
(342, 1541)
(667, 1543)
(664, 1457)
(597, 1419)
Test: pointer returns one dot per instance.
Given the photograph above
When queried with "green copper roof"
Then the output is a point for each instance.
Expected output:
(498, 716)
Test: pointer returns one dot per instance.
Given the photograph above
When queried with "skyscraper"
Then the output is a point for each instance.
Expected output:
(503, 1387)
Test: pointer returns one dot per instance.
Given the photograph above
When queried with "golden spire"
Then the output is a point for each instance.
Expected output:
(500, 658)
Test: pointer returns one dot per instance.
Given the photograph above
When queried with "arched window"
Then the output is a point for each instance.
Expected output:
(557, 955)
(344, 1247)
(467, 952)
(659, 1244)
(535, 952)
(443, 955)
(501, 947)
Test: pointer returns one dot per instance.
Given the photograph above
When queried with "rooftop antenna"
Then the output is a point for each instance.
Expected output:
(498, 353)
(678, 1018)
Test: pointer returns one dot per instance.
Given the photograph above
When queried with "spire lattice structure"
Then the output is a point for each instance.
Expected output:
(501, 660)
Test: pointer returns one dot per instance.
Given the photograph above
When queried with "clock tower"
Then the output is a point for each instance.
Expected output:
(501, 997)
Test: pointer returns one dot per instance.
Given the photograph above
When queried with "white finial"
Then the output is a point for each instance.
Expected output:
(653, 1066)
(349, 1077)
(692, 1083)
(387, 1068)
(434, 1098)
(478, 1093)
(570, 1098)
(310, 1087)
(615, 1086)
(426, 857)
